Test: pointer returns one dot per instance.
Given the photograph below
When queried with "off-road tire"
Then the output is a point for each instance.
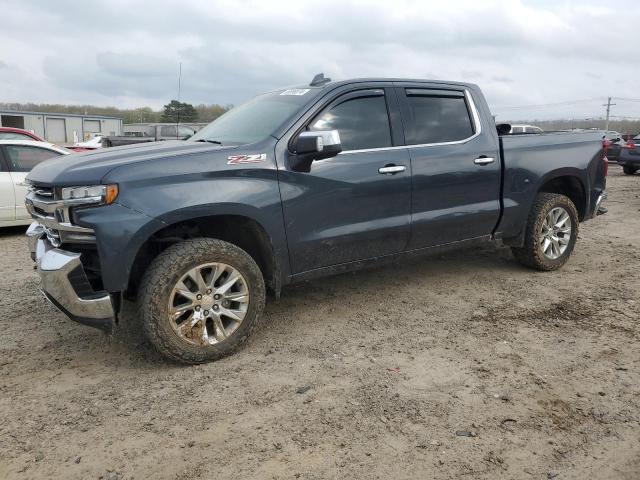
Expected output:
(162, 275)
(629, 170)
(531, 254)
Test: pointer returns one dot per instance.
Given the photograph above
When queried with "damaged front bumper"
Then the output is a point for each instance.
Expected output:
(65, 283)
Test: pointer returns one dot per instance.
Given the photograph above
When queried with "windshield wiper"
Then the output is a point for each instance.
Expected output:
(210, 141)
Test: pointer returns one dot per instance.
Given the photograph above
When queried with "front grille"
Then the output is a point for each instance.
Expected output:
(54, 216)
(42, 192)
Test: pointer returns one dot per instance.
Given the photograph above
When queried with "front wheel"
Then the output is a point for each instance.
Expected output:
(629, 170)
(551, 233)
(200, 299)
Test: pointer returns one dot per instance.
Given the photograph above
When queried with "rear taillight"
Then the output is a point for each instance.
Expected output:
(630, 146)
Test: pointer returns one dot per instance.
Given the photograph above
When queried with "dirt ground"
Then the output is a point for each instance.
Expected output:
(461, 366)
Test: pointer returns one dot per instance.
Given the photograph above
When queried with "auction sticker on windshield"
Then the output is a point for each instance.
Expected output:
(295, 91)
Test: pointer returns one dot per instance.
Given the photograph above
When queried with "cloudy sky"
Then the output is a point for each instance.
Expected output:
(572, 54)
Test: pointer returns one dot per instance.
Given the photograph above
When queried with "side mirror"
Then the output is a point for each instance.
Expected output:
(312, 146)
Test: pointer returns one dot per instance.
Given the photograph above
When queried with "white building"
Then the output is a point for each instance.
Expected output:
(62, 128)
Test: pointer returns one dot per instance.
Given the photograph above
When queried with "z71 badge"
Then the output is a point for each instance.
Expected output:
(238, 159)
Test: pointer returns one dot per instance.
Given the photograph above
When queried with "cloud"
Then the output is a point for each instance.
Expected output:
(125, 53)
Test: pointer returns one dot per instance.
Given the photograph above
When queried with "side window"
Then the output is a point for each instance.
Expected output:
(168, 131)
(363, 122)
(14, 136)
(185, 132)
(22, 158)
(517, 130)
(437, 118)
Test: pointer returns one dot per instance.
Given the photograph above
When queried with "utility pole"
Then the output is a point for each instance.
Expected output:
(179, 92)
(608, 105)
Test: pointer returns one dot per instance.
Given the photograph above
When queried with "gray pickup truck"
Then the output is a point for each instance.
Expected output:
(145, 133)
(295, 184)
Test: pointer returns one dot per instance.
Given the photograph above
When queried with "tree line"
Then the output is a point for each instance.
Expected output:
(172, 112)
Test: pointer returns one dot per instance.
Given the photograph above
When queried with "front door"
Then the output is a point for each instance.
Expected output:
(20, 160)
(7, 193)
(456, 166)
(347, 208)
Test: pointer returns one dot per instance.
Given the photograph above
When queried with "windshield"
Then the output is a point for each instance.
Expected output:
(256, 119)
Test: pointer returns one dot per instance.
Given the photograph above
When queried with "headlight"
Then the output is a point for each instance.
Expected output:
(102, 194)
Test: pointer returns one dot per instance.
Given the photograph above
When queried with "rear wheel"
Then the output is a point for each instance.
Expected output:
(629, 170)
(551, 233)
(200, 299)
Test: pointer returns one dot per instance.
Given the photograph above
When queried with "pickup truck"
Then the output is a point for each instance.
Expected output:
(296, 184)
(145, 133)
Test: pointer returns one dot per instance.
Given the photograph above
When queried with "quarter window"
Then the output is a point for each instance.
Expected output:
(363, 123)
(23, 158)
(437, 118)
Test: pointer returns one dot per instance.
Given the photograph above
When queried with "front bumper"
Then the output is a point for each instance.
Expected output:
(65, 284)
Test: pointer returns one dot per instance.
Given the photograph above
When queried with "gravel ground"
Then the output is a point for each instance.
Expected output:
(461, 366)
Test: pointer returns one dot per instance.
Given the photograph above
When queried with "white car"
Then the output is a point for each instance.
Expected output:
(91, 144)
(519, 129)
(17, 158)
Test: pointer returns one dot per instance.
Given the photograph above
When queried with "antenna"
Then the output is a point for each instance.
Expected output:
(319, 80)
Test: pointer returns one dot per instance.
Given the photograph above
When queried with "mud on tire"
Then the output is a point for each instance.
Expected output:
(531, 254)
(165, 272)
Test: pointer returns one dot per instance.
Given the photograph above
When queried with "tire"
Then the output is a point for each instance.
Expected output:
(159, 289)
(531, 254)
(629, 170)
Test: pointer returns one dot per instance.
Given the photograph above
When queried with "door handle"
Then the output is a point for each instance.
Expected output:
(391, 169)
(484, 160)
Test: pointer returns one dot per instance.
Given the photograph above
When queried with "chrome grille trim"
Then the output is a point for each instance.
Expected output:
(54, 217)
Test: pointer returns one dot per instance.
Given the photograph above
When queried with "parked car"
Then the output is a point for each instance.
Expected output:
(17, 158)
(296, 184)
(149, 133)
(614, 143)
(10, 133)
(523, 129)
(91, 144)
(630, 156)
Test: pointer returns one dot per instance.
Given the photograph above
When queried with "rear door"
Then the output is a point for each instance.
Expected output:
(346, 208)
(456, 167)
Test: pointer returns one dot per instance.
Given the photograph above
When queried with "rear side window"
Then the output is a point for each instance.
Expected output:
(436, 118)
(363, 123)
(22, 158)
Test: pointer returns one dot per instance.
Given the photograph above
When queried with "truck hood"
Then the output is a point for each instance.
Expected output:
(88, 168)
